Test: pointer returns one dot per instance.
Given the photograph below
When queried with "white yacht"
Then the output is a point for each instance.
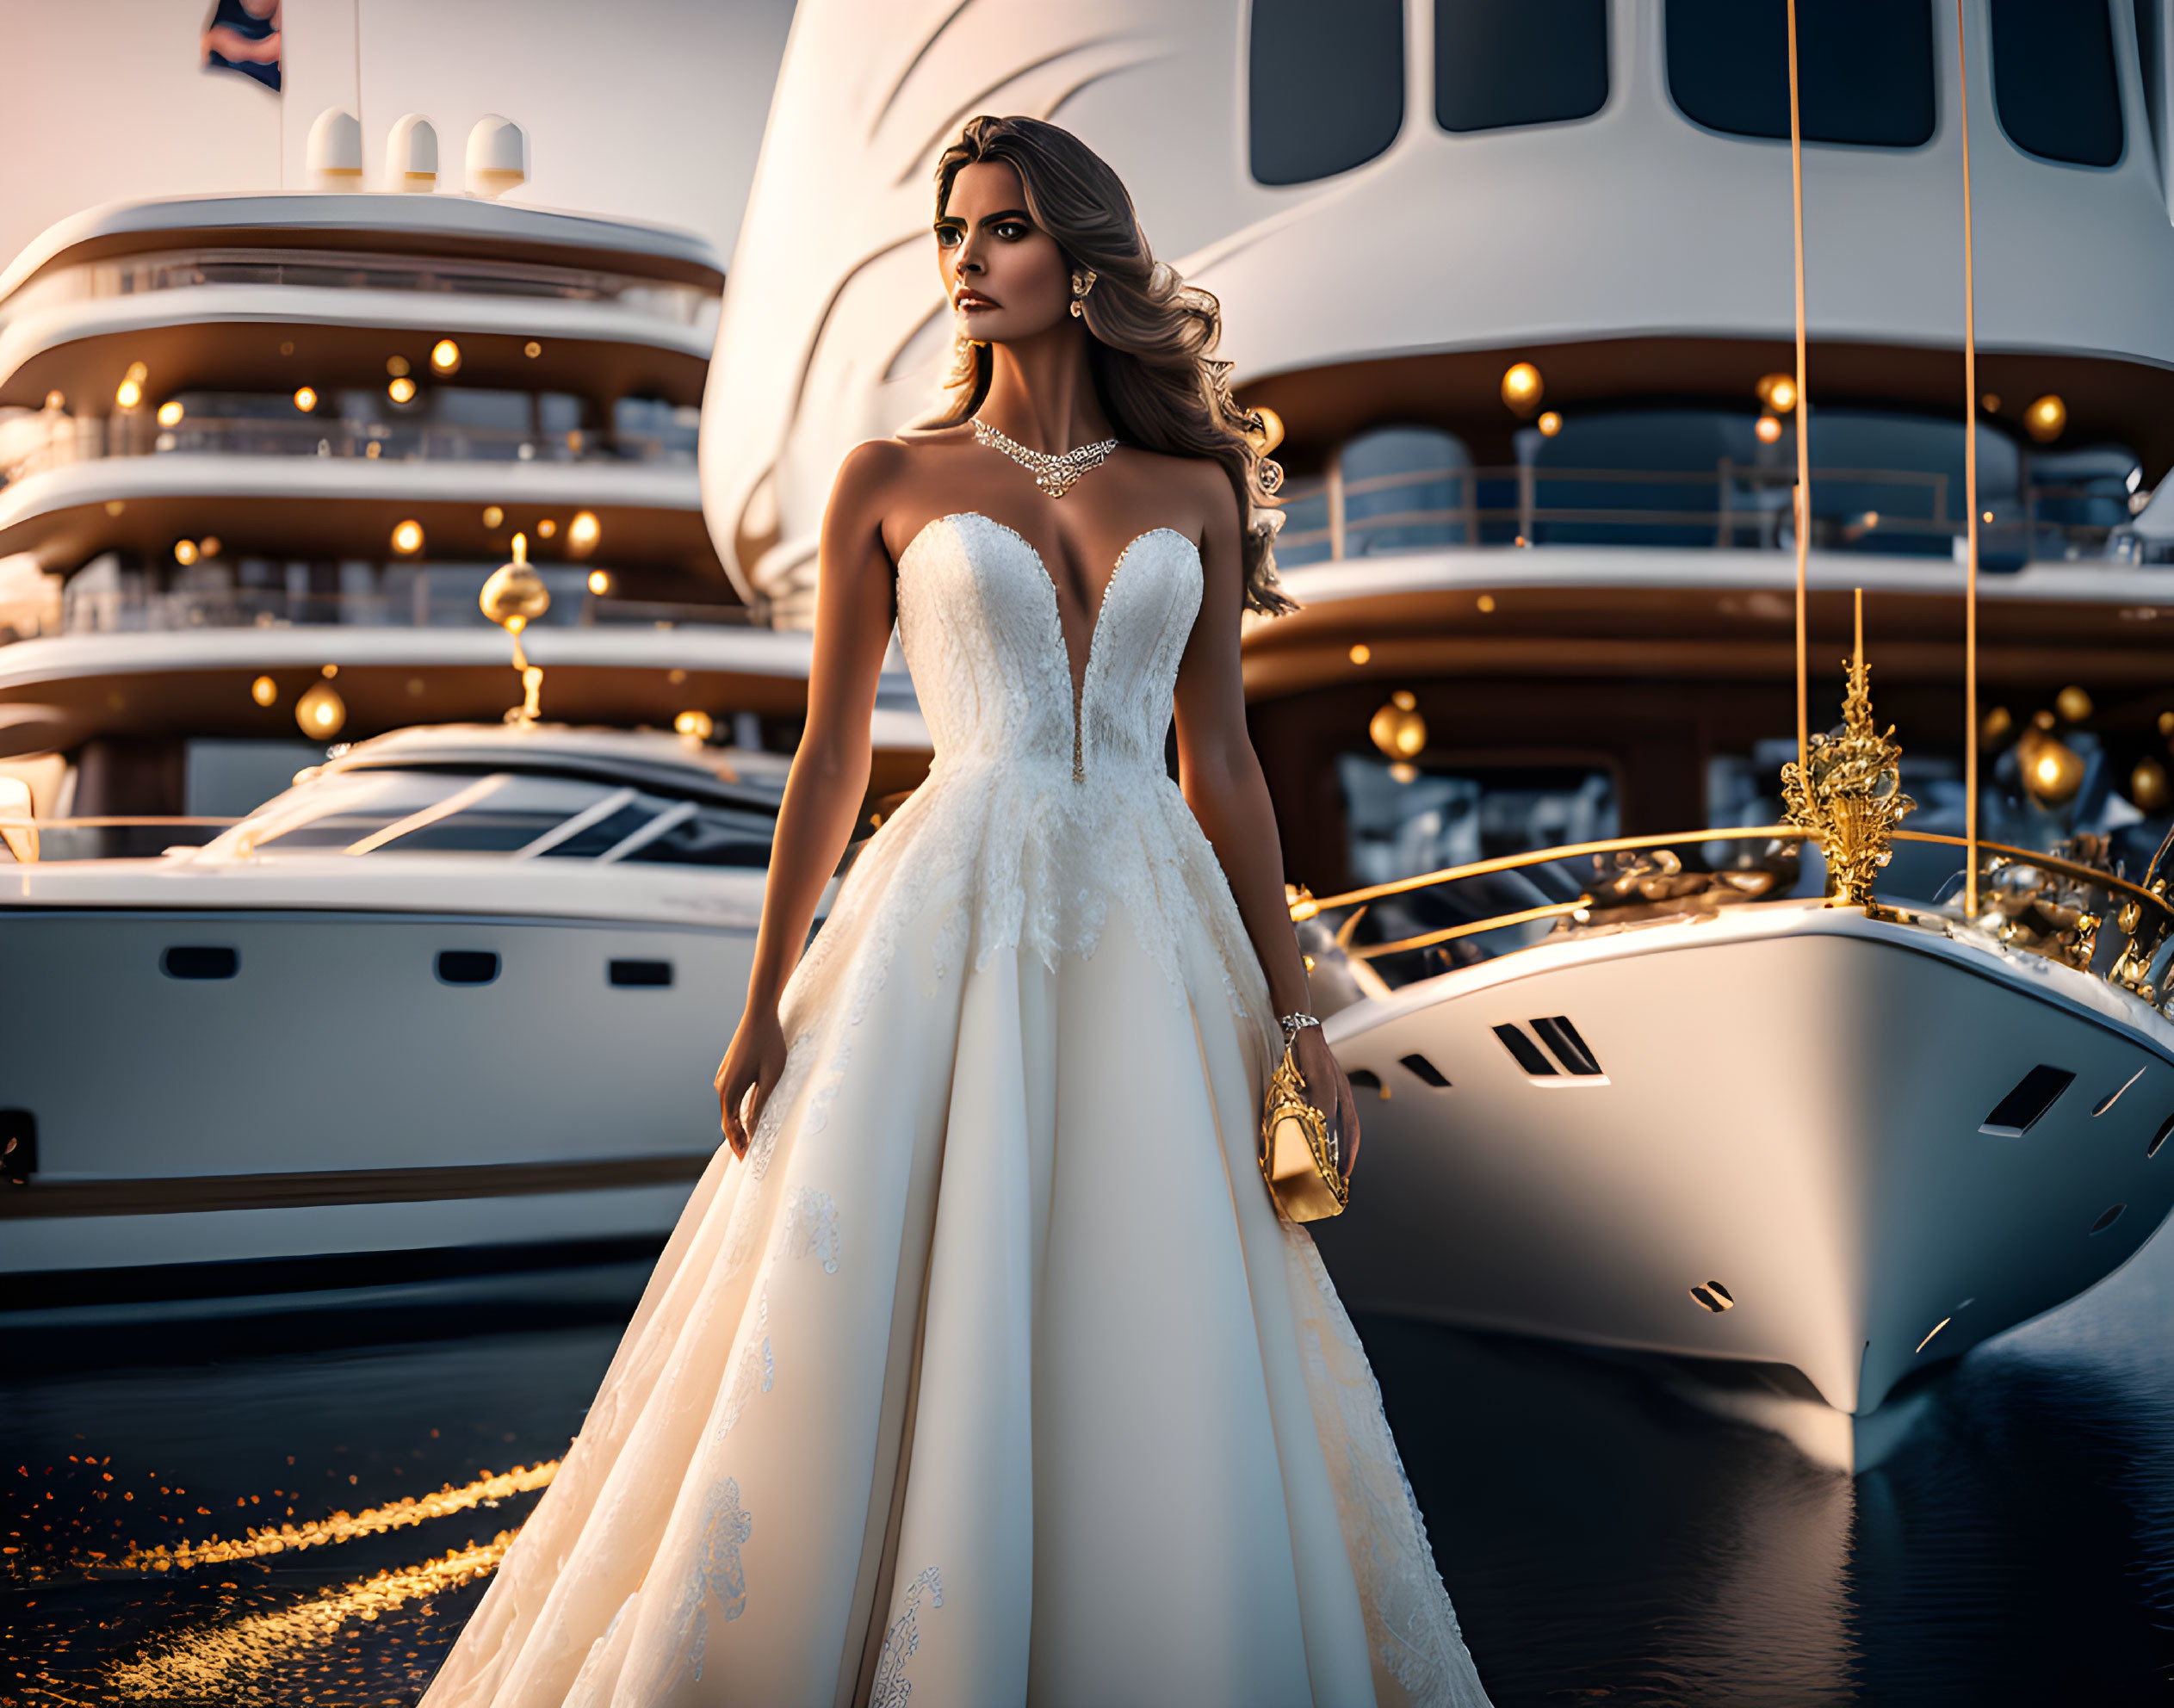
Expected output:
(1516, 279)
(451, 1002)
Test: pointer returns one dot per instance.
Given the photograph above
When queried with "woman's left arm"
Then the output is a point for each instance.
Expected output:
(1220, 776)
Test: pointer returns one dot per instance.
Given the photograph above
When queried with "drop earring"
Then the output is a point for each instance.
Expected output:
(1082, 282)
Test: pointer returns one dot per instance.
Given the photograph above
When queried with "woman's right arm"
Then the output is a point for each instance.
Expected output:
(854, 611)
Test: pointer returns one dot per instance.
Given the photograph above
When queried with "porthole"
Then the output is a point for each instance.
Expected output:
(2033, 1095)
(1421, 1067)
(200, 960)
(1564, 1042)
(467, 966)
(1525, 1052)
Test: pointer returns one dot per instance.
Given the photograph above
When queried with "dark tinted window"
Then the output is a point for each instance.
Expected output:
(2147, 57)
(2053, 79)
(1326, 85)
(1864, 68)
(1518, 62)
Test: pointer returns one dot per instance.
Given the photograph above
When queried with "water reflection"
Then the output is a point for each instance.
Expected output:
(1606, 1540)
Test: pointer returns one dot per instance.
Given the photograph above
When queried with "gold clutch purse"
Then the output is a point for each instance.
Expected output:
(1299, 1155)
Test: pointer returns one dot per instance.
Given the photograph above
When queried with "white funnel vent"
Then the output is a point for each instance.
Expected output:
(497, 156)
(336, 149)
(412, 154)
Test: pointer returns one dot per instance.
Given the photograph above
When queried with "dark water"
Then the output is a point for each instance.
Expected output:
(1604, 1541)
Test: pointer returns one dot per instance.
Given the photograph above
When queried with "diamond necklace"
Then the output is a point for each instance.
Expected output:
(1054, 472)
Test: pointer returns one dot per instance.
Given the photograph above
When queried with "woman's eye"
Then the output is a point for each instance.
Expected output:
(947, 236)
(1011, 230)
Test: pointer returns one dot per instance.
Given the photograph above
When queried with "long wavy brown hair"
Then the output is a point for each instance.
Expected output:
(1153, 337)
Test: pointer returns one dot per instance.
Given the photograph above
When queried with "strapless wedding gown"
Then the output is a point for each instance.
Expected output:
(991, 1375)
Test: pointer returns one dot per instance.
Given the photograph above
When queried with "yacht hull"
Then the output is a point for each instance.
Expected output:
(335, 1097)
(1795, 1103)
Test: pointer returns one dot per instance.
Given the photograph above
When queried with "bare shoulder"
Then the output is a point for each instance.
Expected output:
(1197, 485)
(870, 469)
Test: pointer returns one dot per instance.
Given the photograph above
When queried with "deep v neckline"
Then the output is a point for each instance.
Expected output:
(1076, 683)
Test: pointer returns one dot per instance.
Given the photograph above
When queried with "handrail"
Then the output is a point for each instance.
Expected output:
(2073, 946)
(1373, 951)
(1307, 905)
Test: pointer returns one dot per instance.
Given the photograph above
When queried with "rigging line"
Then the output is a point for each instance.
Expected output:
(1804, 411)
(1970, 495)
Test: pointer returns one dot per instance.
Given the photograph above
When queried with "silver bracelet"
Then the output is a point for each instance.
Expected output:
(1295, 1023)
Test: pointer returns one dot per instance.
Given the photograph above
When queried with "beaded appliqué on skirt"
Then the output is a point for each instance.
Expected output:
(903, 1640)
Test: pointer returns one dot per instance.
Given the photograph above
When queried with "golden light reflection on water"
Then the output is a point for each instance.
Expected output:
(233, 1663)
(255, 1545)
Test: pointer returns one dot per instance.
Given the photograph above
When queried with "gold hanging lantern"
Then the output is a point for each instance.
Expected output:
(2047, 418)
(1521, 388)
(2147, 787)
(2051, 770)
(320, 712)
(514, 598)
(1399, 729)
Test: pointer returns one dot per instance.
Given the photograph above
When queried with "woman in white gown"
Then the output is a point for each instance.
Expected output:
(981, 1368)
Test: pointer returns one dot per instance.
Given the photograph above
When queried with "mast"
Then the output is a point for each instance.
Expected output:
(1803, 411)
(1970, 494)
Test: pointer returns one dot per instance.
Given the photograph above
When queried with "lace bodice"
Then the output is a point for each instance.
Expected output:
(1039, 811)
(977, 617)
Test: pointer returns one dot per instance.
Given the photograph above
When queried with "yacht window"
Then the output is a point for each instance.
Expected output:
(1880, 482)
(229, 779)
(655, 430)
(1865, 70)
(2085, 490)
(1401, 821)
(472, 406)
(1406, 489)
(2053, 79)
(1325, 86)
(2148, 59)
(1499, 63)
(519, 814)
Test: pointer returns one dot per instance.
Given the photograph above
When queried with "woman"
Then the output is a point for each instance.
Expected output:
(984, 1369)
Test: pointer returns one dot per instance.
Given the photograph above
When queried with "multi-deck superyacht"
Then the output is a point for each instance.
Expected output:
(1513, 280)
(451, 1002)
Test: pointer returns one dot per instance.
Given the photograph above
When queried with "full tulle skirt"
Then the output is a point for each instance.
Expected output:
(991, 1375)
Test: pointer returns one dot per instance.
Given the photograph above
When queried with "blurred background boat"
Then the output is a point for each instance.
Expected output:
(260, 449)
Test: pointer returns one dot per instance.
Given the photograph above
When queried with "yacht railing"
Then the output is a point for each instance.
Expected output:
(1735, 506)
(681, 304)
(71, 440)
(2046, 904)
(429, 599)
